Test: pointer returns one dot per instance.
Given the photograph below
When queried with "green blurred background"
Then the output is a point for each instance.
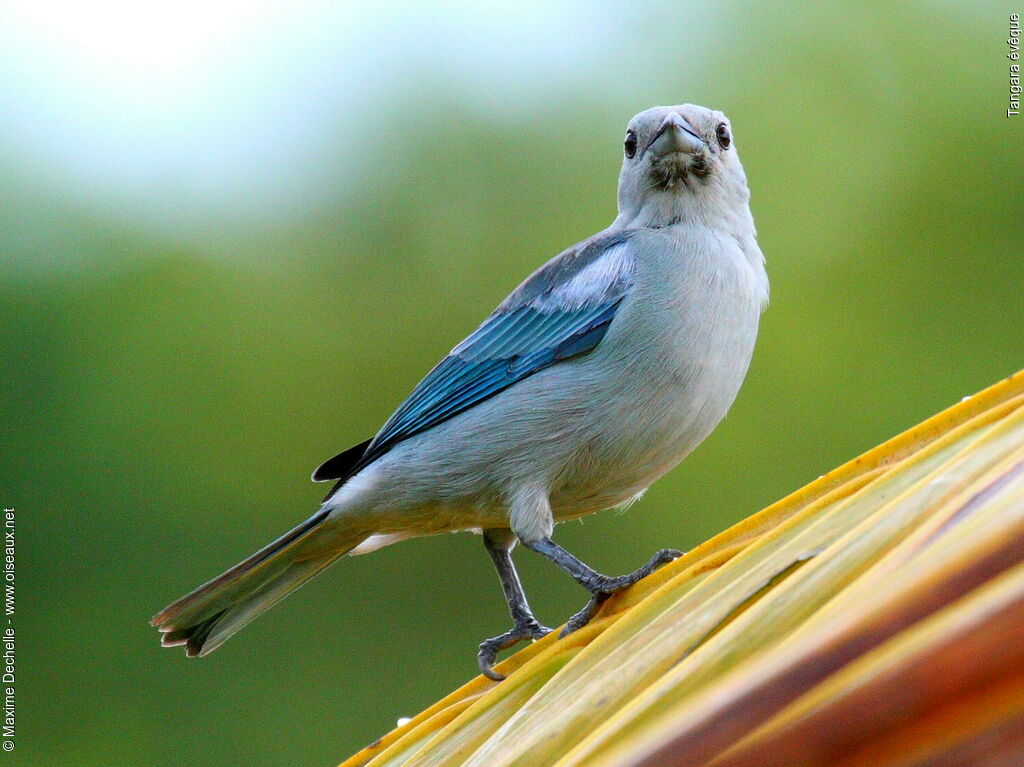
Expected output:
(234, 236)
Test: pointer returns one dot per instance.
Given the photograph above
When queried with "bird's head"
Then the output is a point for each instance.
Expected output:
(680, 164)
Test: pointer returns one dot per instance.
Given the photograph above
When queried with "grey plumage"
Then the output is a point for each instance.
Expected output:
(592, 379)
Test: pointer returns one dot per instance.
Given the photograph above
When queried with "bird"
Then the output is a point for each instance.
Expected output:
(597, 375)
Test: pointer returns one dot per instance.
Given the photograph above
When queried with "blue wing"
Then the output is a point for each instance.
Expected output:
(563, 310)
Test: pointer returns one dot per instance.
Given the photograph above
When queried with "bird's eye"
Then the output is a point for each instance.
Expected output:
(630, 144)
(724, 139)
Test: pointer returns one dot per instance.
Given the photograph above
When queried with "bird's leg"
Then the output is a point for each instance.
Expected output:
(499, 545)
(600, 586)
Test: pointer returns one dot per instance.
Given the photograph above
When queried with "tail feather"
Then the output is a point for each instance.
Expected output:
(193, 637)
(205, 618)
(218, 629)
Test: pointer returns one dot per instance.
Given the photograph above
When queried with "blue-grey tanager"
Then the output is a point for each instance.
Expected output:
(597, 375)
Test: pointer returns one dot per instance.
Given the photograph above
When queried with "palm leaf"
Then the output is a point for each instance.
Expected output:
(875, 616)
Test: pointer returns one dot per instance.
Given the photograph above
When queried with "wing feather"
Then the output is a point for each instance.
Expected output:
(562, 311)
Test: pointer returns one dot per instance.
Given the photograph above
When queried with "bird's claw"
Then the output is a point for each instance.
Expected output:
(582, 618)
(489, 648)
(606, 586)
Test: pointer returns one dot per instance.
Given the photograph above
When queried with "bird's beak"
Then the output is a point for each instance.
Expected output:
(676, 135)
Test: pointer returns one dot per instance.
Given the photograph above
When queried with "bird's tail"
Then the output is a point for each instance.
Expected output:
(204, 619)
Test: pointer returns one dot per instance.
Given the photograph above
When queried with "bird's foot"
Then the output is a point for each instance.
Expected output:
(603, 586)
(489, 648)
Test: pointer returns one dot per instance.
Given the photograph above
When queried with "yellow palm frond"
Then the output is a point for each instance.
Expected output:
(875, 616)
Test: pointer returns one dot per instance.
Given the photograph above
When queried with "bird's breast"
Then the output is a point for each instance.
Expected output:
(674, 360)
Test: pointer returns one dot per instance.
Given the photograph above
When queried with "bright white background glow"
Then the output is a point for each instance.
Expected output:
(203, 120)
(209, 98)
